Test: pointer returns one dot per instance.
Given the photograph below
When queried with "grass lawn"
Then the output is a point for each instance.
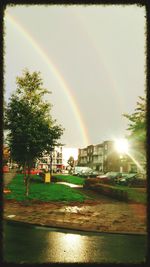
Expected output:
(70, 179)
(134, 194)
(41, 191)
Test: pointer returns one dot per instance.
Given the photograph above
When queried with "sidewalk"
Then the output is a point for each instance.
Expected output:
(100, 215)
(7, 177)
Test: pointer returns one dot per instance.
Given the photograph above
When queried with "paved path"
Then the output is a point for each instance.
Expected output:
(8, 177)
(70, 185)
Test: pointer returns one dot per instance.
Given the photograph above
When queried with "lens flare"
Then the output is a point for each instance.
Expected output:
(136, 162)
(122, 145)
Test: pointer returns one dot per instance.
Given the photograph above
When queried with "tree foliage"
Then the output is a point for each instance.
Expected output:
(27, 116)
(6, 154)
(71, 162)
(137, 122)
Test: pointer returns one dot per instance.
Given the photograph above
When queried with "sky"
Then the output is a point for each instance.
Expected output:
(92, 59)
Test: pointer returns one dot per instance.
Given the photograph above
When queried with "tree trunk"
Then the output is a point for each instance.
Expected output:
(28, 179)
(27, 186)
(25, 175)
(51, 160)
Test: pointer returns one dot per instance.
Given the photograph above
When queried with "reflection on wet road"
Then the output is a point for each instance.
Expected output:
(24, 244)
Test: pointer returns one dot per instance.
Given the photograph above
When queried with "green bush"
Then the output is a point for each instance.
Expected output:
(119, 192)
(113, 192)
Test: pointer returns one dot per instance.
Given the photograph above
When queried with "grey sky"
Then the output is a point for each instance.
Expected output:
(99, 53)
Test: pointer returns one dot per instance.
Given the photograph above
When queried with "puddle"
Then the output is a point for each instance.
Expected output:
(70, 209)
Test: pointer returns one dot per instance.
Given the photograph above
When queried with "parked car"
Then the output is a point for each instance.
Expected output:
(110, 175)
(34, 171)
(127, 178)
(5, 169)
(93, 174)
(84, 173)
(137, 182)
(81, 171)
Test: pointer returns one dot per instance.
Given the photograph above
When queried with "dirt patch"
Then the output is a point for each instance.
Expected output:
(98, 215)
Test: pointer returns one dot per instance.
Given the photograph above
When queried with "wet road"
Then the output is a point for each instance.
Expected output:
(28, 244)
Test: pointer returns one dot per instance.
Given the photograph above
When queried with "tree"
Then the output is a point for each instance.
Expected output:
(71, 162)
(6, 154)
(137, 125)
(31, 127)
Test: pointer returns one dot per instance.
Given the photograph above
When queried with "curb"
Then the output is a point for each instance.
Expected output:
(61, 228)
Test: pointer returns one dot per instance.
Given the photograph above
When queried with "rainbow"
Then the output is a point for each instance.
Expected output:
(103, 59)
(56, 73)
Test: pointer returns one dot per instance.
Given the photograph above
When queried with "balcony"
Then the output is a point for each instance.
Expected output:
(95, 153)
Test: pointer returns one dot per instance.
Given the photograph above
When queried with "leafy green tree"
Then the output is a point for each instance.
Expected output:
(31, 127)
(71, 162)
(137, 125)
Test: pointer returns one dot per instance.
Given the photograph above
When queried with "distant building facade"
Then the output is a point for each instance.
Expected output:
(98, 163)
(57, 160)
(104, 158)
(82, 157)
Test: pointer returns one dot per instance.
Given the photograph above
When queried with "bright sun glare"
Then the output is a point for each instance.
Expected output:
(122, 145)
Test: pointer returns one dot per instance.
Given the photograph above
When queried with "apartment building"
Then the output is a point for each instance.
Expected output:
(98, 157)
(104, 158)
(111, 158)
(57, 160)
(98, 164)
(90, 150)
(82, 156)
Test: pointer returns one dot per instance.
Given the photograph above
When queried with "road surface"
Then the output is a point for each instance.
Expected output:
(33, 244)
